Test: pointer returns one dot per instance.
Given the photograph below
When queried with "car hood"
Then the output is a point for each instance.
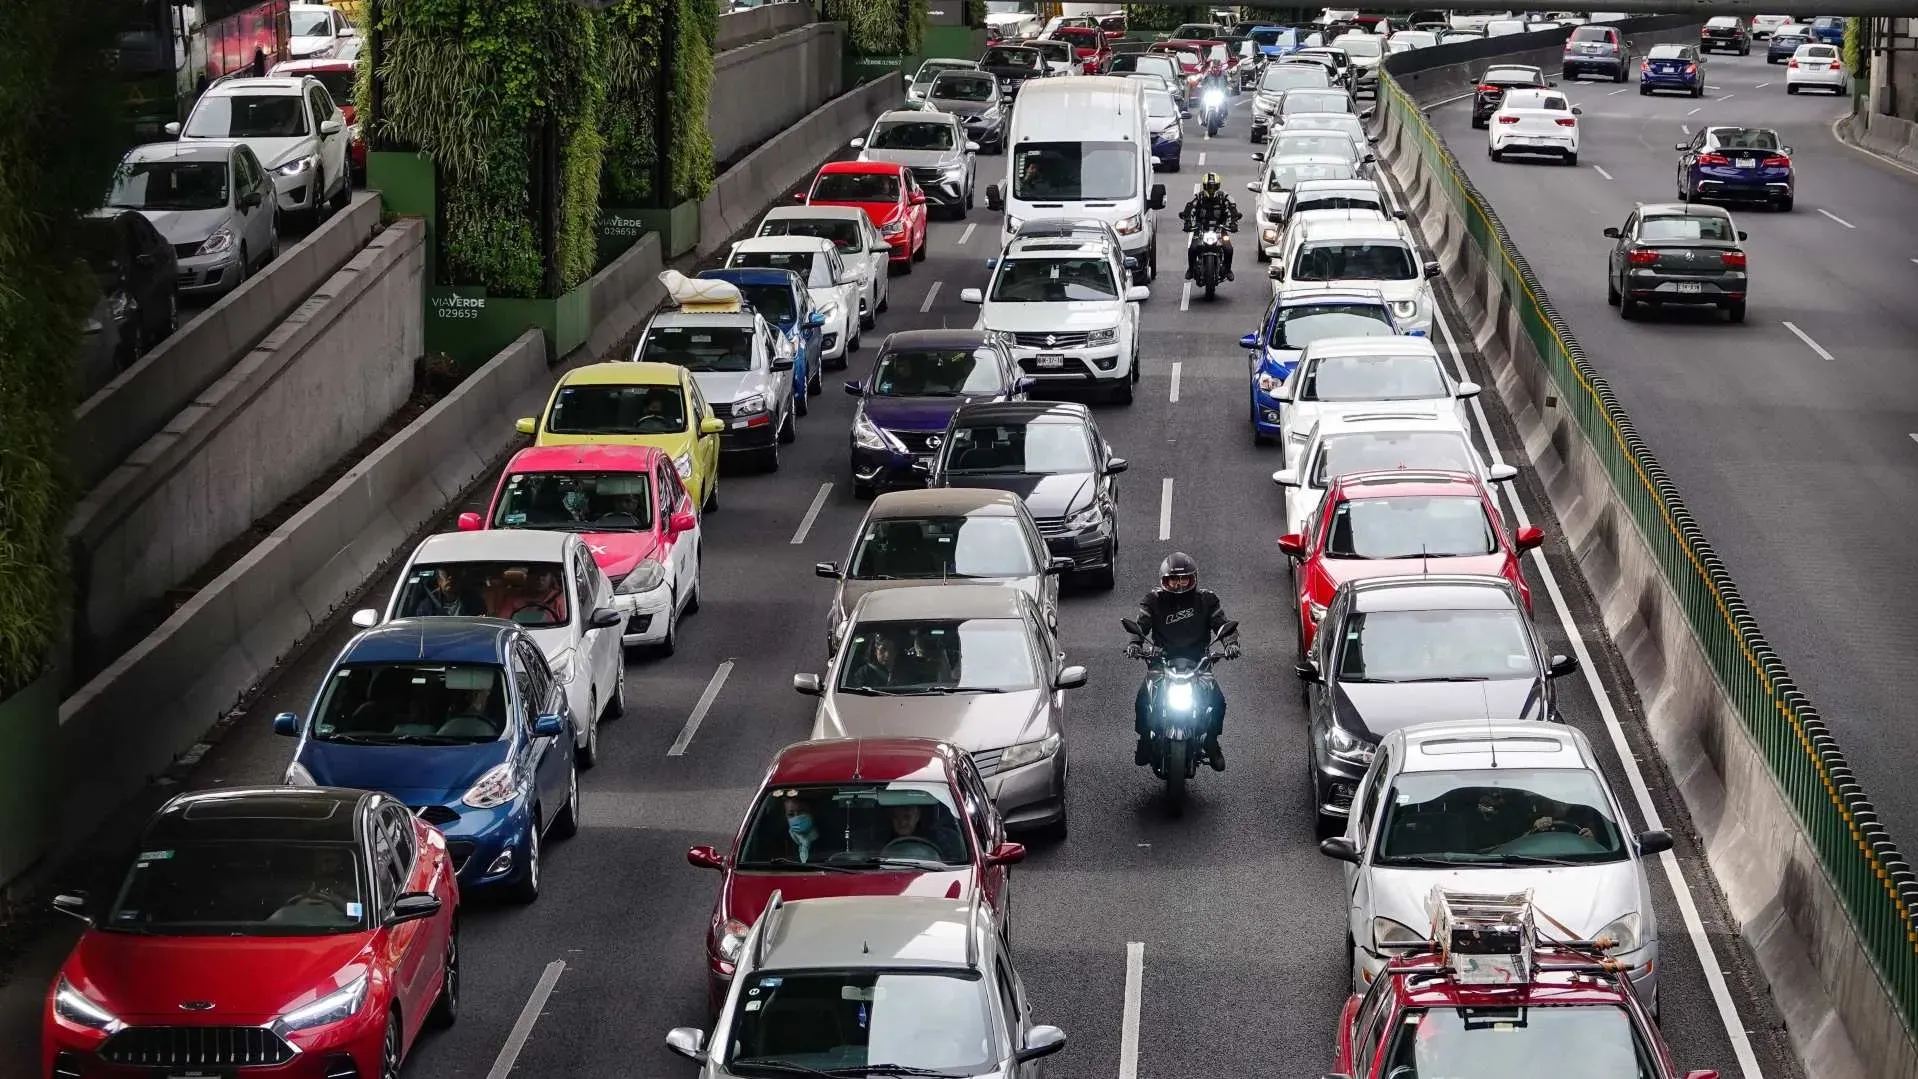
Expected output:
(1374, 710)
(1078, 315)
(306, 46)
(416, 775)
(1046, 496)
(1303, 414)
(913, 159)
(618, 552)
(745, 894)
(916, 413)
(1586, 898)
(1393, 291)
(722, 387)
(851, 592)
(187, 226)
(958, 107)
(971, 721)
(248, 980)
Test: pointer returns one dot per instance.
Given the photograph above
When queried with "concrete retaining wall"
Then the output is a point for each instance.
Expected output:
(754, 24)
(623, 295)
(137, 405)
(1881, 134)
(314, 388)
(762, 88)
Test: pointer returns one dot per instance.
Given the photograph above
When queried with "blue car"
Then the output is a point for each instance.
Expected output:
(1298, 316)
(1274, 41)
(461, 719)
(781, 299)
(1783, 46)
(1736, 163)
(1672, 67)
(920, 379)
(1167, 120)
(1828, 30)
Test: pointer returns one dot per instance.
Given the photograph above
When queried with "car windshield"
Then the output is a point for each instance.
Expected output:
(1686, 227)
(248, 116)
(911, 135)
(1410, 526)
(1316, 101)
(774, 303)
(885, 826)
(1152, 65)
(413, 703)
(170, 185)
(1293, 76)
(1337, 202)
(1436, 646)
(1311, 144)
(1496, 815)
(1075, 171)
(931, 70)
(853, 1022)
(1343, 122)
(248, 888)
(312, 24)
(576, 502)
(1160, 108)
(617, 410)
(937, 372)
(939, 548)
(1666, 52)
(1745, 138)
(1286, 175)
(1055, 51)
(1363, 46)
(967, 87)
(1593, 33)
(845, 235)
(1723, 22)
(856, 187)
(1266, 39)
(1374, 378)
(1580, 1041)
(799, 262)
(937, 656)
(1018, 58)
(1387, 451)
(1019, 449)
(1301, 324)
(701, 348)
(1031, 280)
(532, 594)
(1355, 260)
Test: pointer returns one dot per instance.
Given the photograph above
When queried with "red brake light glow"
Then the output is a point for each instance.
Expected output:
(1734, 260)
(1508, 119)
(1691, 69)
(1714, 159)
(1778, 161)
(1794, 62)
(1487, 88)
(1642, 257)
(1566, 121)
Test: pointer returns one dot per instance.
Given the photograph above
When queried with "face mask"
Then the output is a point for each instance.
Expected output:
(800, 825)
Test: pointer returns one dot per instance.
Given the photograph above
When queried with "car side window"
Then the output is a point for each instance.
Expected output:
(384, 886)
(698, 399)
(542, 679)
(398, 865)
(1368, 1027)
(529, 702)
(583, 584)
(978, 806)
(1369, 809)
(663, 477)
(316, 104)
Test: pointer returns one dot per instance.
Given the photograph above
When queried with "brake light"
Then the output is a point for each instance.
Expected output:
(1734, 260)
(1793, 63)
(1778, 161)
(1691, 69)
(1641, 257)
(1508, 119)
(1566, 121)
(1486, 88)
(1714, 159)
(1644, 66)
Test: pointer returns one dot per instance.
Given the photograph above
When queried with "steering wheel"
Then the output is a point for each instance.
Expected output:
(551, 614)
(1560, 826)
(913, 847)
(312, 898)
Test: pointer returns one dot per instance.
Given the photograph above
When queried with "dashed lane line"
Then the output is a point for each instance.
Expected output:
(1806, 338)
(812, 513)
(1176, 369)
(1165, 509)
(966, 233)
(700, 709)
(932, 296)
(1836, 218)
(1129, 1017)
(528, 1016)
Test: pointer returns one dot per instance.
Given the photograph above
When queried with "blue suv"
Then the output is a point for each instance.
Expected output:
(1298, 316)
(781, 299)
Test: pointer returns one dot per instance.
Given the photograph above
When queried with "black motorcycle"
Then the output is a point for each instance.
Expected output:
(1176, 720)
(1212, 110)
(1208, 266)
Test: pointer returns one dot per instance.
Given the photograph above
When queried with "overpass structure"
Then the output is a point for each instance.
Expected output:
(1700, 9)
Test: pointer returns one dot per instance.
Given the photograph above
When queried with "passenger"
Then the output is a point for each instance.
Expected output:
(800, 828)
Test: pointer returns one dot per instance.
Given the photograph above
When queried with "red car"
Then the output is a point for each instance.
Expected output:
(1390, 524)
(889, 195)
(1191, 61)
(1205, 48)
(884, 816)
(291, 932)
(1113, 26)
(1088, 42)
(337, 76)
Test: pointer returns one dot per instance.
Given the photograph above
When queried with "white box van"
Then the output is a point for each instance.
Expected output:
(1080, 146)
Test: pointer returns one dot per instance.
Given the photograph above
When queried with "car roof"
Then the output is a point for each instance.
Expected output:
(1302, 293)
(184, 150)
(440, 640)
(284, 814)
(270, 83)
(788, 242)
(861, 168)
(1432, 592)
(989, 412)
(586, 457)
(945, 601)
(623, 373)
(894, 931)
(802, 213)
(876, 760)
(1405, 483)
(1681, 209)
(935, 339)
(1370, 346)
(493, 545)
(923, 501)
(1469, 745)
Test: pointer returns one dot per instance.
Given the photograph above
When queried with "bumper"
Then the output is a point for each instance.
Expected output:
(1535, 144)
(1591, 65)
(885, 469)
(1092, 364)
(1032, 795)
(1337, 780)
(1669, 82)
(323, 1052)
(1090, 549)
(646, 615)
(832, 343)
(750, 434)
(1265, 412)
(488, 845)
(901, 252)
(1756, 188)
(1711, 44)
(300, 192)
(1826, 80)
(944, 192)
(1168, 152)
(214, 275)
(1659, 288)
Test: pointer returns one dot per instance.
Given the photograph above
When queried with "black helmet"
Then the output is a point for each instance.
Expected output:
(1179, 573)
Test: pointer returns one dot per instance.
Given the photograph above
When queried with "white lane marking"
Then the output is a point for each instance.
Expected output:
(1710, 87)
(1447, 101)
(932, 294)
(1601, 171)
(1202, 159)
(1761, 86)
(1129, 1016)
(529, 1015)
(1806, 338)
(1836, 218)
(1686, 128)
(1176, 368)
(1185, 297)
(1701, 943)
(812, 513)
(1694, 112)
(966, 233)
(1165, 509)
(1728, 97)
(1615, 93)
(700, 709)
(1914, 437)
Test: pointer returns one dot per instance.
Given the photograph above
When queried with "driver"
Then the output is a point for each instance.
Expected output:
(542, 592)
(329, 868)
(913, 822)
(1515, 818)
(1211, 208)
(449, 597)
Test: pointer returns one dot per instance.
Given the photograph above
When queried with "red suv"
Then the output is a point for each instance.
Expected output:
(1088, 42)
(857, 816)
(889, 194)
(1393, 524)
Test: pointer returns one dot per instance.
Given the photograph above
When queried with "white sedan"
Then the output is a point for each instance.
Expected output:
(1816, 67)
(1346, 374)
(861, 248)
(835, 288)
(1534, 122)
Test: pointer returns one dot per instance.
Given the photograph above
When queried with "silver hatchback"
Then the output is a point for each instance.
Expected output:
(212, 201)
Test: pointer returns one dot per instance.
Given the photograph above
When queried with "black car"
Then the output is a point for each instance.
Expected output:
(974, 97)
(1012, 65)
(137, 270)
(1676, 253)
(1489, 88)
(920, 379)
(1392, 652)
(1726, 33)
(1051, 454)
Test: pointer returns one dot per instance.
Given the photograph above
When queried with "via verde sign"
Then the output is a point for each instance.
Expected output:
(452, 305)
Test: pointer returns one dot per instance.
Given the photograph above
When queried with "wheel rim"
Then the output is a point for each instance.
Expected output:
(532, 855)
(592, 735)
(451, 989)
(390, 1050)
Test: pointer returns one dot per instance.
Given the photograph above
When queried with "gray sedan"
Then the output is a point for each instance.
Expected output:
(211, 200)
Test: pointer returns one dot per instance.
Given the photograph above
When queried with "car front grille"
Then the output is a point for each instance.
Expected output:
(1051, 526)
(927, 176)
(187, 250)
(722, 409)
(196, 1047)
(1049, 340)
(460, 850)
(987, 761)
(916, 441)
(437, 816)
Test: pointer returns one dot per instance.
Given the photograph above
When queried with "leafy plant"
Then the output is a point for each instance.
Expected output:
(880, 27)
(1854, 47)
(1149, 17)
(630, 124)
(691, 137)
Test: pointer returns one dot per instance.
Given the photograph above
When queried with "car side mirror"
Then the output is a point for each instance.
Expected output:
(705, 857)
(251, 200)
(818, 318)
(1340, 849)
(1433, 269)
(1653, 843)
(711, 425)
(1006, 854)
(1286, 477)
(173, 128)
(1257, 156)
(808, 685)
(857, 144)
(971, 296)
(605, 618)
(1307, 672)
(470, 522)
(919, 198)
(1070, 678)
(1576, 111)
(1158, 197)
(1501, 473)
(1293, 544)
(1561, 666)
(550, 725)
(1252, 185)
(799, 196)
(1612, 233)
(1025, 385)
(1250, 342)
(682, 521)
(413, 906)
(1369, 157)
(1530, 537)
(1140, 293)
(1058, 565)
(1276, 272)
(1741, 235)
(526, 425)
(828, 570)
(782, 363)
(689, 1042)
(1117, 465)
(366, 618)
(1701, 1073)
(1786, 150)
(1467, 390)
(1551, 82)
(73, 905)
(972, 147)
(1400, 214)
(1041, 1041)
(1131, 263)
(287, 724)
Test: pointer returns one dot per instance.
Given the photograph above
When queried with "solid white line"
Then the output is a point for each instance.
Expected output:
(812, 513)
(1668, 862)
(932, 294)
(1202, 159)
(700, 709)
(1615, 93)
(966, 233)
(523, 1026)
(1601, 171)
(1129, 1016)
(1185, 297)
(1165, 509)
(1806, 338)
(1176, 368)
(1836, 218)
(1708, 86)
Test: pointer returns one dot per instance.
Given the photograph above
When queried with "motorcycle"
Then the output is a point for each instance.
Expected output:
(1178, 725)
(1212, 111)
(1209, 268)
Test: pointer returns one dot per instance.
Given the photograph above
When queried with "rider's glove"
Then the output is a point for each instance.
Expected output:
(1135, 650)
(1233, 651)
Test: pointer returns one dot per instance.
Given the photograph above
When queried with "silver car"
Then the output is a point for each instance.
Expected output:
(744, 370)
(1495, 808)
(974, 665)
(943, 536)
(873, 985)
(212, 201)
(921, 85)
(934, 146)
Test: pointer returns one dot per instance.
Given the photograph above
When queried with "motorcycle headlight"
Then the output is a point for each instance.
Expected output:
(750, 405)
(1209, 238)
(730, 938)
(684, 463)
(564, 665)
(1103, 337)
(1626, 931)
(494, 789)
(295, 168)
(1130, 225)
(79, 1009)
(1178, 696)
(218, 243)
(1030, 752)
(1387, 933)
(331, 1008)
(1405, 308)
(645, 577)
(298, 776)
(1342, 745)
(1214, 98)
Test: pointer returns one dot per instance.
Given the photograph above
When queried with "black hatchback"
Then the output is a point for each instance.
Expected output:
(1489, 89)
(1725, 33)
(1677, 253)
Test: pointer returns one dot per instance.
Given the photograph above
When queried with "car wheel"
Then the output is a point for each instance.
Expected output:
(446, 1007)
(345, 194)
(670, 643)
(1124, 394)
(852, 343)
(864, 492)
(1105, 578)
(1054, 832)
(1698, 91)
(317, 212)
(1790, 89)
(1620, 76)
(566, 825)
(790, 432)
(586, 753)
(392, 1046)
(867, 320)
(172, 314)
(815, 382)
(885, 301)
(616, 707)
(769, 457)
(1735, 311)
(1493, 153)
(802, 401)
(1627, 307)
(1572, 159)
(1784, 204)
(246, 264)
(919, 255)
(1644, 91)
(711, 505)
(1611, 292)
(526, 889)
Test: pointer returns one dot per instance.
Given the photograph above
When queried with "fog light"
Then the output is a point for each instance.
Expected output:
(1105, 363)
(500, 864)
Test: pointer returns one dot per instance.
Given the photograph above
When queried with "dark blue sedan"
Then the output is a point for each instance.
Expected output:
(461, 719)
(1672, 67)
(1736, 163)
(919, 380)
(1782, 46)
(781, 299)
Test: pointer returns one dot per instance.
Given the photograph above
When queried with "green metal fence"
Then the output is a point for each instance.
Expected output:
(1876, 884)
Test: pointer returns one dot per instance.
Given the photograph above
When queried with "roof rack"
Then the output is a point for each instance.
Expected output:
(1493, 940)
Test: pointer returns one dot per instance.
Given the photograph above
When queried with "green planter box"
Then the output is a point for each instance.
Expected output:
(621, 228)
(859, 70)
(471, 327)
(29, 772)
(407, 184)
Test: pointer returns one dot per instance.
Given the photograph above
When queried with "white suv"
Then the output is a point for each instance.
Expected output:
(292, 125)
(1358, 248)
(1378, 439)
(1062, 306)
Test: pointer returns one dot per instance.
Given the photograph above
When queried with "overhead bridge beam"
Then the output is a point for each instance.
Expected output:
(1700, 8)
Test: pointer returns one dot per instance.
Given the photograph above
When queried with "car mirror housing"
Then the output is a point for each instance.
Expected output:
(605, 618)
(550, 725)
(1339, 849)
(1561, 666)
(828, 570)
(1653, 843)
(1041, 1041)
(689, 1042)
(1293, 544)
(705, 857)
(808, 685)
(287, 724)
(1530, 537)
(1070, 678)
(1006, 854)
(711, 425)
(413, 906)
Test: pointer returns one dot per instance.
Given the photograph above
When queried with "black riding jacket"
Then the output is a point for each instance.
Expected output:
(1215, 211)
(1181, 623)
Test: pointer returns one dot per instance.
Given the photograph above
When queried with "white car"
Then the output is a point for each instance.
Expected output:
(834, 288)
(931, 69)
(1764, 26)
(1505, 27)
(1287, 171)
(1366, 52)
(549, 584)
(292, 125)
(860, 246)
(1407, 40)
(1345, 373)
(317, 31)
(1534, 122)
(1357, 247)
(1379, 439)
(1816, 66)
(1349, 124)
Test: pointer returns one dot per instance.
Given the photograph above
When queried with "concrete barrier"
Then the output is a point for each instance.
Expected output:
(1844, 1019)
(138, 404)
(624, 295)
(803, 63)
(330, 375)
(1886, 136)
(755, 24)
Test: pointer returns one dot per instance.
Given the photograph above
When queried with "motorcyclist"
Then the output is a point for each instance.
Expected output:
(1210, 208)
(1180, 619)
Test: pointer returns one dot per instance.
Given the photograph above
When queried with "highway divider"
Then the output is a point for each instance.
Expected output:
(804, 63)
(1886, 136)
(1820, 894)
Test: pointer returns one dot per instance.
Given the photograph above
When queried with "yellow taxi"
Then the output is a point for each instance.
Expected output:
(636, 404)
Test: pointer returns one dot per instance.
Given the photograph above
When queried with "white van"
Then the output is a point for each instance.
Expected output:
(1081, 146)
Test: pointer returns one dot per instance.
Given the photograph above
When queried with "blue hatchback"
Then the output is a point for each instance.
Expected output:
(459, 718)
(1672, 67)
(781, 299)
(1783, 46)
(1736, 163)
(1299, 316)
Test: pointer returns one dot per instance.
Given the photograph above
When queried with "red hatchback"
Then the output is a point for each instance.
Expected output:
(889, 195)
(857, 816)
(291, 932)
(1089, 42)
(1391, 524)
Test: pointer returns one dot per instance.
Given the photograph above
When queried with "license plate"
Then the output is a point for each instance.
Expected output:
(1052, 361)
(1747, 162)
(192, 1075)
(1690, 286)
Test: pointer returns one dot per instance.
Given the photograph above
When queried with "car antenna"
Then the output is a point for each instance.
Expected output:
(1491, 733)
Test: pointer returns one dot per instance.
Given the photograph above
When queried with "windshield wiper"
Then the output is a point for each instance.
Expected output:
(1537, 859)
(1422, 862)
(776, 1065)
(1447, 678)
(895, 1069)
(794, 863)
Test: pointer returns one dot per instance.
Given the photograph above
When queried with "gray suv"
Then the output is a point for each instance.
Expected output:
(743, 368)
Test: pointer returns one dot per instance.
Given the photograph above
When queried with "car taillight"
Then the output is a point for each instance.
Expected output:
(1714, 159)
(1778, 161)
(1566, 121)
(1642, 257)
(1508, 119)
(1644, 66)
(1793, 63)
(1734, 260)
(1485, 89)
(1691, 69)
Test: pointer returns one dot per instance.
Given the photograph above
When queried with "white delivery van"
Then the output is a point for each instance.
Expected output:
(1081, 146)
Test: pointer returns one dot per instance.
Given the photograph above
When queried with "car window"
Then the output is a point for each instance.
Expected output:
(1373, 795)
(1662, 229)
(1316, 101)
(1298, 325)
(911, 135)
(966, 87)
(1354, 260)
(585, 584)
(666, 481)
(856, 187)
(1513, 76)
(541, 699)
(573, 502)
(844, 234)
(856, 825)
(1744, 138)
(587, 409)
(1053, 280)
(412, 703)
(978, 805)
(1373, 377)
(1371, 1017)
(937, 372)
(1345, 453)
(322, 107)
(1593, 1041)
(1285, 175)
(1019, 449)
(1668, 52)
(1411, 526)
(931, 656)
(1594, 33)
(230, 888)
(942, 548)
(175, 184)
(799, 262)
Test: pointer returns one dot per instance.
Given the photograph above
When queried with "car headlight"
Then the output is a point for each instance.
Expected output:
(1626, 931)
(731, 938)
(1004, 338)
(750, 405)
(1130, 225)
(646, 576)
(494, 789)
(956, 171)
(1013, 223)
(1387, 933)
(563, 666)
(1405, 308)
(1103, 337)
(1342, 745)
(331, 1008)
(892, 228)
(218, 243)
(1173, 134)
(1083, 519)
(79, 1009)
(871, 436)
(298, 776)
(1269, 383)
(830, 309)
(1030, 752)
(1178, 696)
(684, 463)
(295, 168)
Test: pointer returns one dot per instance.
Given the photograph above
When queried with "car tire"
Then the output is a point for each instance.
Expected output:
(616, 708)
(903, 268)
(885, 302)
(789, 433)
(1790, 89)
(1493, 153)
(1644, 90)
(867, 320)
(864, 492)
(1698, 91)
(802, 402)
(392, 1047)
(1106, 578)
(1572, 159)
(344, 195)
(1478, 124)
(1123, 395)
(669, 644)
(1620, 75)
(1784, 205)
(525, 890)
(1611, 292)
(1053, 833)
(919, 255)
(586, 755)
(769, 457)
(566, 825)
(246, 265)
(1627, 308)
(1735, 311)
(446, 1006)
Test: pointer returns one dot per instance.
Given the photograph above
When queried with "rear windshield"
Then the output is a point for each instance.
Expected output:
(1355, 260)
(1666, 52)
(1655, 229)
(1512, 76)
(1025, 58)
(1593, 33)
(1723, 22)
(799, 262)
(845, 235)
(1746, 138)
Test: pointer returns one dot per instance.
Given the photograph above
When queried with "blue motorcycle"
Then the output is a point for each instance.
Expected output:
(1180, 711)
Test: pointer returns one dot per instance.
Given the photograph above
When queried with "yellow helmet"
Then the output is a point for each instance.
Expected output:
(1211, 184)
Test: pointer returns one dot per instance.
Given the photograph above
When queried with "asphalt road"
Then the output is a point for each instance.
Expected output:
(1237, 916)
(1791, 436)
